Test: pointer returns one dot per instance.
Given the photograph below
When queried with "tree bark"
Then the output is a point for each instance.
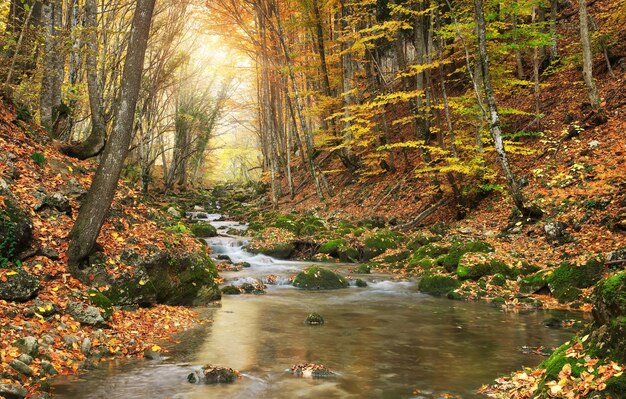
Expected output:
(494, 118)
(585, 40)
(98, 199)
(94, 144)
(53, 65)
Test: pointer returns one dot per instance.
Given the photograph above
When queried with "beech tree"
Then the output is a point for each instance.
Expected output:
(97, 202)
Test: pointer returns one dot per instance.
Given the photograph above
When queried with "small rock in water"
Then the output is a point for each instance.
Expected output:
(213, 375)
(553, 323)
(314, 319)
(151, 355)
(310, 370)
(361, 283)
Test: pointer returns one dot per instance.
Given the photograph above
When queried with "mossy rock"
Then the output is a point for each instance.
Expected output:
(431, 250)
(101, 301)
(348, 254)
(279, 250)
(609, 299)
(421, 263)
(361, 283)
(419, 241)
(474, 268)
(498, 280)
(567, 278)
(554, 364)
(534, 282)
(397, 257)
(314, 319)
(319, 278)
(203, 230)
(438, 285)
(439, 228)
(377, 243)
(362, 269)
(285, 223)
(231, 290)
(450, 261)
(498, 301)
(331, 247)
(456, 296)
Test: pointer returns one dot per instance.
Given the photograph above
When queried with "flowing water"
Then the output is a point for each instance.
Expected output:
(385, 341)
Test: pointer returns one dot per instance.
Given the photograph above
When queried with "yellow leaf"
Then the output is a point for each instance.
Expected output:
(155, 348)
(11, 273)
(70, 169)
(141, 282)
(114, 235)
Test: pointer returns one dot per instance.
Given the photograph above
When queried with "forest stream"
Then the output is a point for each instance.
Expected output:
(386, 340)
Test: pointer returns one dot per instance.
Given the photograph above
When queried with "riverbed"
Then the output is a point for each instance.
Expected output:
(386, 340)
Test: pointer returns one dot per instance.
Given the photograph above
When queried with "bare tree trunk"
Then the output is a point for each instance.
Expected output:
(53, 64)
(554, 48)
(585, 40)
(98, 200)
(494, 118)
(94, 144)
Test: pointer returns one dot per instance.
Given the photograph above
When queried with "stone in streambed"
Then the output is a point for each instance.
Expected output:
(319, 278)
(21, 367)
(213, 375)
(314, 319)
(309, 370)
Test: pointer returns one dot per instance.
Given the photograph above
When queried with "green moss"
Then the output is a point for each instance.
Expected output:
(319, 278)
(419, 241)
(201, 229)
(438, 285)
(616, 386)
(534, 282)
(348, 254)
(178, 229)
(361, 283)
(279, 250)
(285, 223)
(567, 279)
(102, 301)
(498, 301)
(554, 364)
(379, 242)
(39, 158)
(451, 260)
(331, 247)
(362, 269)
(487, 268)
(498, 280)
(231, 290)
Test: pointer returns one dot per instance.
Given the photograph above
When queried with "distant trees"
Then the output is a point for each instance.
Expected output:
(380, 85)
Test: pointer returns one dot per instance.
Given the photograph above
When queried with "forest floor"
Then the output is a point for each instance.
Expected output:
(31, 173)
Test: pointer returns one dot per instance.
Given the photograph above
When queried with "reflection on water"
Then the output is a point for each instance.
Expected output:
(385, 341)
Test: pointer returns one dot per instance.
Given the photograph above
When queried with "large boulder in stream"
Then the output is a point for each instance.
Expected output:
(203, 230)
(187, 279)
(319, 278)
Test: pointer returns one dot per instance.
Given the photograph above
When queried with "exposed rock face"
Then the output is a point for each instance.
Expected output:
(16, 228)
(13, 391)
(19, 287)
(555, 230)
(185, 279)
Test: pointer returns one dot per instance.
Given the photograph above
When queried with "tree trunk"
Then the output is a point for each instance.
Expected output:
(96, 205)
(585, 40)
(94, 144)
(494, 118)
(53, 64)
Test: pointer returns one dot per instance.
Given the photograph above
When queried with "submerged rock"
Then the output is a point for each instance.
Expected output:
(213, 375)
(309, 370)
(314, 319)
(319, 278)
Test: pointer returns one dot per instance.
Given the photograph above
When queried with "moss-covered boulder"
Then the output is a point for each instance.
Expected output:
(279, 250)
(498, 280)
(231, 290)
(535, 282)
(331, 247)
(348, 254)
(378, 242)
(287, 223)
(566, 279)
(450, 261)
(438, 285)
(274, 242)
(363, 268)
(314, 319)
(474, 266)
(203, 230)
(419, 241)
(319, 278)
(187, 279)
(101, 301)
